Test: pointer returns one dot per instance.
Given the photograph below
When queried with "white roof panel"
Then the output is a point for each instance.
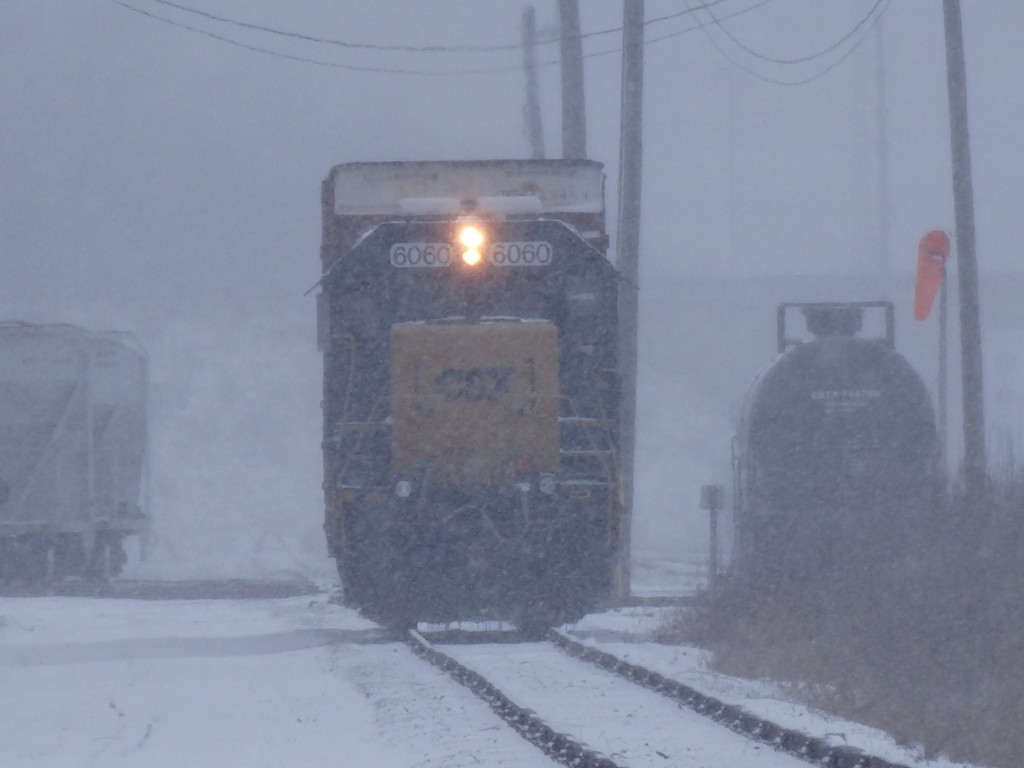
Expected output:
(496, 186)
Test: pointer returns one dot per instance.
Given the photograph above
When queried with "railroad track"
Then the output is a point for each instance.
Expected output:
(679, 722)
(199, 589)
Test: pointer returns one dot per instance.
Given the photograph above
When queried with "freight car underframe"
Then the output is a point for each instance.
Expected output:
(36, 553)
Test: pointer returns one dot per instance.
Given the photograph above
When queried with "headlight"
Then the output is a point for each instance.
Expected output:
(471, 239)
(471, 236)
(403, 489)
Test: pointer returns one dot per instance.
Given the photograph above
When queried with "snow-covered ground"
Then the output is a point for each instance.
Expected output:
(294, 682)
(304, 682)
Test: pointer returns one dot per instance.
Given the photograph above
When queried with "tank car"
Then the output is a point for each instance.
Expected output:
(836, 460)
(467, 320)
(72, 447)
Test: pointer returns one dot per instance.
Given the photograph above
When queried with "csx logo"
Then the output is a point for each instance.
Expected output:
(473, 384)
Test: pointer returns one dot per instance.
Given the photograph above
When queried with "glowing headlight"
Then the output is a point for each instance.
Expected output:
(471, 237)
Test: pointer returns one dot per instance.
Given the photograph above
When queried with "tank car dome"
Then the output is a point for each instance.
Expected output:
(833, 320)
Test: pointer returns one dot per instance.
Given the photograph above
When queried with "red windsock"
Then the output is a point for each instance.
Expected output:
(932, 252)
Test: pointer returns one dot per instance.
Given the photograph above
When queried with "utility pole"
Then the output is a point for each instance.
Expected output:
(975, 470)
(627, 260)
(531, 111)
(574, 125)
(882, 134)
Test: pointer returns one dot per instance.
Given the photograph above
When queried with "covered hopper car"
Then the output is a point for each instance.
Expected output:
(468, 325)
(72, 451)
(836, 458)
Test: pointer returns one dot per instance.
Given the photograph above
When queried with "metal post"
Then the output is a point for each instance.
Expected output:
(941, 395)
(711, 500)
(531, 111)
(90, 438)
(975, 470)
(627, 259)
(574, 124)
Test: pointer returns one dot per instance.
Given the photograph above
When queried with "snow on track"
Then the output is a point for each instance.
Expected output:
(630, 725)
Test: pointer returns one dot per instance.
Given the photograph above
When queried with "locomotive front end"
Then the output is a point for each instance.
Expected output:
(468, 324)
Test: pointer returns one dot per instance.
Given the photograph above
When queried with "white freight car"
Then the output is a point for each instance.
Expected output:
(72, 451)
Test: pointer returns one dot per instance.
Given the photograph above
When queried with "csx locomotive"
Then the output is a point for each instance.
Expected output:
(836, 459)
(467, 321)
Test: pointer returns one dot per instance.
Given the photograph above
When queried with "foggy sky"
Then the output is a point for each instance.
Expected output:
(140, 159)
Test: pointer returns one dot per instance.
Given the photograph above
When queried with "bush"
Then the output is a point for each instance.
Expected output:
(928, 644)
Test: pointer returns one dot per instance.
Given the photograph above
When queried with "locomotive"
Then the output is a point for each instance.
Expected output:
(72, 451)
(836, 462)
(467, 321)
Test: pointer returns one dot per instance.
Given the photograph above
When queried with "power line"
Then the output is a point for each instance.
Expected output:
(268, 51)
(332, 41)
(499, 69)
(800, 81)
(685, 30)
(618, 49)
(802, 59)
(647, 41)
(416, 48)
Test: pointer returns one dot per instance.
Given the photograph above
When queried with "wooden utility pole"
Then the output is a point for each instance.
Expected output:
(574, 125)
(882, 144)
(975, 469)
(531, 111)
(628, 257)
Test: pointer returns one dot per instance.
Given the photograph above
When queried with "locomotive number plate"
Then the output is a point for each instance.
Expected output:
(421, 255)
(520, 254)
(500, 254)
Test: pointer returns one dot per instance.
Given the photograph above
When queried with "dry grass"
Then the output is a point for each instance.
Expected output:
(928, 646)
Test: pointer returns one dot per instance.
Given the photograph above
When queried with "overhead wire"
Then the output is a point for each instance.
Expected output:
(271, 52)
(870, 19)
(677, 33)
(485, 70)
(799, 60)
(693, 10)
(461, 48)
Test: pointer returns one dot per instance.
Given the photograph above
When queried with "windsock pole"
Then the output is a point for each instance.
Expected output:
(932, 256)
(941, 389)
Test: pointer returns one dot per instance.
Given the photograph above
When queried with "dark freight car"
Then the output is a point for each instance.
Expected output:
(836, 457)
(468, 324)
